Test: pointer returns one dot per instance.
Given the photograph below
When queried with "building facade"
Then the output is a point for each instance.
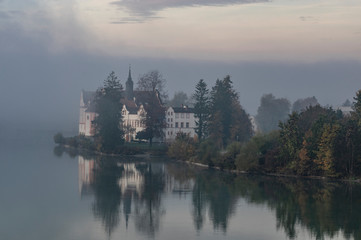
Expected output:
(179, 119)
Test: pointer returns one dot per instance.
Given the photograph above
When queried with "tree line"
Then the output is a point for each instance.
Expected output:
(311, 141)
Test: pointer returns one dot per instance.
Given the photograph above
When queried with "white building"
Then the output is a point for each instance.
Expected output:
(179, 119)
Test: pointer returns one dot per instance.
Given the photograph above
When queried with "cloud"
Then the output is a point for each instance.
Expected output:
(145, 9)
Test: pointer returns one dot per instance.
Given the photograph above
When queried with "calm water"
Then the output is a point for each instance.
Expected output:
(50, 194)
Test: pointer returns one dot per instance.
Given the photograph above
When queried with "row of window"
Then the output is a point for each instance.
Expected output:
(133, 123)
(177, 125)
(187, 115)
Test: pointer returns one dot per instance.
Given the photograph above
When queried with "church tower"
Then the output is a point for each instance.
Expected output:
(129, 86)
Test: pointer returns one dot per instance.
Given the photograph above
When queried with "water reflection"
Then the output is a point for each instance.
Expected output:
(135, 190)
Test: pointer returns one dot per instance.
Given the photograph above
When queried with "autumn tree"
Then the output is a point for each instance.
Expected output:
(325, 155)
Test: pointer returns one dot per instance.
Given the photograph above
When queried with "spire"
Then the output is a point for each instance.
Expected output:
(129, 86)
(130, 74)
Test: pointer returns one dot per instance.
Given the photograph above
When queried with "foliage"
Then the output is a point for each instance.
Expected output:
(257, 153)
(179, 99)
(302, 104)
(109, 135)
(183, 148)
(59, 138)
(227, 119)
(201, 109)
(271, 111)
(154, 118)
(208, 152)
(227, 159)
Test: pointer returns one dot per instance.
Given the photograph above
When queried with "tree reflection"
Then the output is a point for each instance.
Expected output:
(148, 209)
(107, 193)
(323, 208)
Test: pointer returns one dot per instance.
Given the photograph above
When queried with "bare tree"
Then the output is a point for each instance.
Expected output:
(152, 81)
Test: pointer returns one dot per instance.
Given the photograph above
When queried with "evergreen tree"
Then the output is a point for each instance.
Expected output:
(222, 97)
(228, 121)
(201, 109)
(109, 135)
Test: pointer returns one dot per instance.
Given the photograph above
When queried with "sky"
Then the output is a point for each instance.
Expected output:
(51, 49)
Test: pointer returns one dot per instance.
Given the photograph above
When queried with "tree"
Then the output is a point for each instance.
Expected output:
(241, 128)
(222, 97)
(302, 104)
(201, 109)
(228, 121)
(290, 139)
(109, 135)
(271, 111)
(180, 98)
(152, 81)
(325, 155)
(154, 117)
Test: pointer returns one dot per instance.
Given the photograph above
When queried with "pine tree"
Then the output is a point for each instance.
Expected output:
(228, 121)
(201, 109)
(109, 135)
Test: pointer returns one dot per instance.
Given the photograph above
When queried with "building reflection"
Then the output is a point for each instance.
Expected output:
(86, 176)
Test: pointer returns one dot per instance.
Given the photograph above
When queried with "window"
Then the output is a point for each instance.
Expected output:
(171, 113)
(177, 115)
(176, 124)
(168, 115)
(182, 115)
(171, 119)
(187, 125)
(187, 115)
(171, 125)
(87, 117)
(168, 119)
(182, 124)
(167, 126)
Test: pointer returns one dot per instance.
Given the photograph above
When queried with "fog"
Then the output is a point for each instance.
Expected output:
(43, 91)
(50, 52)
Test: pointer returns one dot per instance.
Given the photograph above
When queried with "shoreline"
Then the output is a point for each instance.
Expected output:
(147, 155)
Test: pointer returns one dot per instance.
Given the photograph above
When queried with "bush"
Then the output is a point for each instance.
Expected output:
(59, 138)
(258, 152)
(183, 148)
(227, 160)
(208, 153)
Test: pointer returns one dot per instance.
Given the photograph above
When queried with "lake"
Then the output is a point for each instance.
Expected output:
(48, 193)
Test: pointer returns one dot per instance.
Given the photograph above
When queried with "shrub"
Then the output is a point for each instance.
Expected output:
(183, 148)
(59, 138)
